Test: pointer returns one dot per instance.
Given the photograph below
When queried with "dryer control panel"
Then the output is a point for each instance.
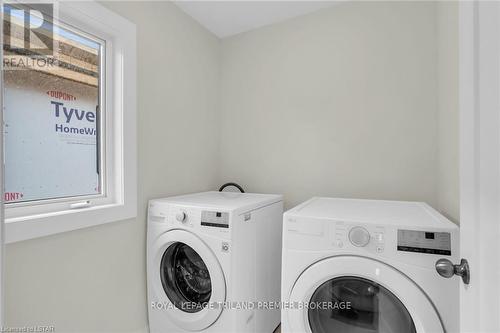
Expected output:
(424, 242)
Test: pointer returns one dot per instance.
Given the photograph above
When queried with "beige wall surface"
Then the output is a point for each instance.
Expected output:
(341, 102)
(94, 279)
(448, 116)
(348, 101)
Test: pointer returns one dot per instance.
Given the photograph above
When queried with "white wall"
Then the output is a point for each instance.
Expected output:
(341, 102)
(448, 116)
(94, 279)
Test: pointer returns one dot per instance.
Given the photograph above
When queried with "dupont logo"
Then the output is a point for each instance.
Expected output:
(61, 95)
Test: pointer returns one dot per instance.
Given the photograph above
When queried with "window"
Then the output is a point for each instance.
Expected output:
(69, 97)
(51, 117)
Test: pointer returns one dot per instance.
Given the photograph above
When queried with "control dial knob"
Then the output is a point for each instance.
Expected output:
(181, 217)
(359, 236)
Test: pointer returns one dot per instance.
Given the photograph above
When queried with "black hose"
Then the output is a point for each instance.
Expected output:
(232, 184)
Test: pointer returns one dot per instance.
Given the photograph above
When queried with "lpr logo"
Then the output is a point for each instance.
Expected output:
(29, 28)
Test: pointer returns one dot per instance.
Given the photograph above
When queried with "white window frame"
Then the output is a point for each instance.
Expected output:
(118, 198)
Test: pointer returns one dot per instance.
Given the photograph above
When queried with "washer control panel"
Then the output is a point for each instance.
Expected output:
(215, 219)
(371, 238)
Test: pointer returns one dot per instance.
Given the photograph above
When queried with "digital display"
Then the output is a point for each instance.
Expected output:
(215, 219)
(424, 242)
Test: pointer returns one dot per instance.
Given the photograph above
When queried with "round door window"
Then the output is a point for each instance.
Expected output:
(357, 305)
(185, 278)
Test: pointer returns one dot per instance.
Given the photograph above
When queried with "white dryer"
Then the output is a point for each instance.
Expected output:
(210, 258)
(359, 266)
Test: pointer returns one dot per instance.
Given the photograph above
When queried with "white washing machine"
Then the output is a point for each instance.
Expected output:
(210, 258)
(357, 266)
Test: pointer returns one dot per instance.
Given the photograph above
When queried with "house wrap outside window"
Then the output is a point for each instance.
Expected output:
(51, 114)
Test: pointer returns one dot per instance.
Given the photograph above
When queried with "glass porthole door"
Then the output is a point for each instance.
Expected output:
(185, 278)
(362, 306)
(189, 280)
(346, 294)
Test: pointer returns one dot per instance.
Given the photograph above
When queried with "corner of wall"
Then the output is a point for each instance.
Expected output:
(448, 112)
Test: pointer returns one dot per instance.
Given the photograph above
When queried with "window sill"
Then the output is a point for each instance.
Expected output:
(34, 226)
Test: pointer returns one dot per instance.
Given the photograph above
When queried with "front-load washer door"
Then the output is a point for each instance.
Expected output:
(188, 281)
(352, 294)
